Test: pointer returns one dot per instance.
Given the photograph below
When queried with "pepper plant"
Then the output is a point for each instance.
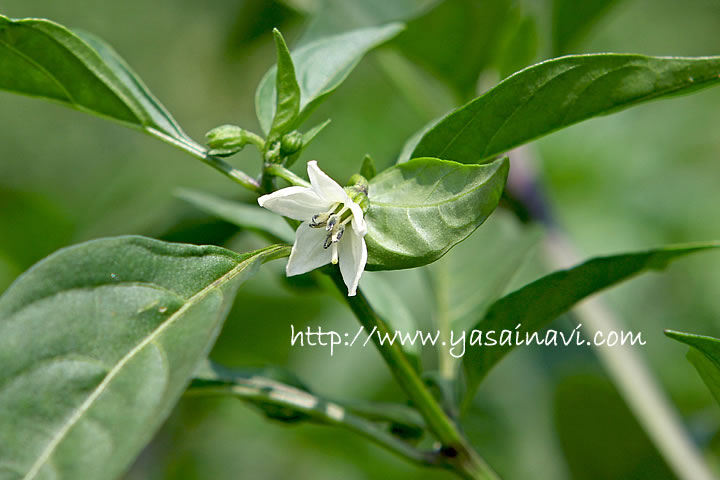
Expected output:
(99, 341)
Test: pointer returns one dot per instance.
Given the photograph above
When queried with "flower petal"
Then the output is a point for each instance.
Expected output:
(299, 203)
(324, 186)
(308, 252)
(358, 222)
(353, 257)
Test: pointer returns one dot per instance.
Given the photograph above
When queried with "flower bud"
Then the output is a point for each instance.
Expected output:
(226, 140)
(291, 143)
(358, 191)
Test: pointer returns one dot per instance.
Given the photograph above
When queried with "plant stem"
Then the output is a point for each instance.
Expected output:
(455, 447)
(264, 392)
(218, 164)
(277, 170)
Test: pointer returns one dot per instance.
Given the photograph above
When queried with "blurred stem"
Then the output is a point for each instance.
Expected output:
(218, 164)
(279, 171)
(265, 392)
(632, 377)
(455, 449)
(625, 366)
(446, 363)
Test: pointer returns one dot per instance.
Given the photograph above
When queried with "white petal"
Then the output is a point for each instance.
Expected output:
(300, 203)
(308, 252)
(358, 221)
(324, 186)
(353, 257)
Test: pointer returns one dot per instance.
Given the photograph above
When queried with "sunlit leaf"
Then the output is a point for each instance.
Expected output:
(320, 67)
(421, 208)
(97, 343)
(557, 93)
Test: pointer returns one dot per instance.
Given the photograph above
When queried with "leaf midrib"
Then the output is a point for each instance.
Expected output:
(87, 404)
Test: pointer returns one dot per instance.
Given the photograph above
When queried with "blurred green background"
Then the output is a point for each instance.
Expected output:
(642, 178)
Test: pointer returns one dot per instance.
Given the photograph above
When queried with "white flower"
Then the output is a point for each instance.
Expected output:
(332, 230)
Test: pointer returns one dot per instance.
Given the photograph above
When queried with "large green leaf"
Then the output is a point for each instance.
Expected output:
(97, 343)
(704, 354)
(421, 208)
(321, 66)
(43, 59)
(558, 93)
(538, 303)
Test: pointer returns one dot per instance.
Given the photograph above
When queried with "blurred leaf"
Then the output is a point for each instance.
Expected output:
(555, 94)
(254, 19)
(337, 16)
(704, 354)
(32, 227)
(111, 330)
(392, 308)
(41, 58)
(538, 303)
(321, 66)
(421, 208)
(571, 20)
(241, 214)
(600, 437)
(518, 47)
(412, 142)
(286, 88)
(477, 271)
(469, 30)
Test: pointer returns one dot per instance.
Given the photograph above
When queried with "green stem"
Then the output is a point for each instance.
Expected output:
(455, 448)
(218, 164)
(264, 392)
(279, 171)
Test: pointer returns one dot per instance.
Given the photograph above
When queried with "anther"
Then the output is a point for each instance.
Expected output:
(332, 222)
(338, 233)
(328, 241)
(319, 220)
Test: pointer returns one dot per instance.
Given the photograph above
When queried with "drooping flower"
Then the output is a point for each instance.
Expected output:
(333, 227)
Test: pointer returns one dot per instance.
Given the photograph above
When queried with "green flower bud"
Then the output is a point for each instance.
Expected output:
(226, 140)
(358, 191)
(291, 143)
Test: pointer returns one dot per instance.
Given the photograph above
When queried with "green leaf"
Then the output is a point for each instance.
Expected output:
(558, 93)
(704, 354)
(43, 59)
(287, 88)
(421, 208)
(245, 216)
(321, 66)
(98, 342)
(538, 303)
